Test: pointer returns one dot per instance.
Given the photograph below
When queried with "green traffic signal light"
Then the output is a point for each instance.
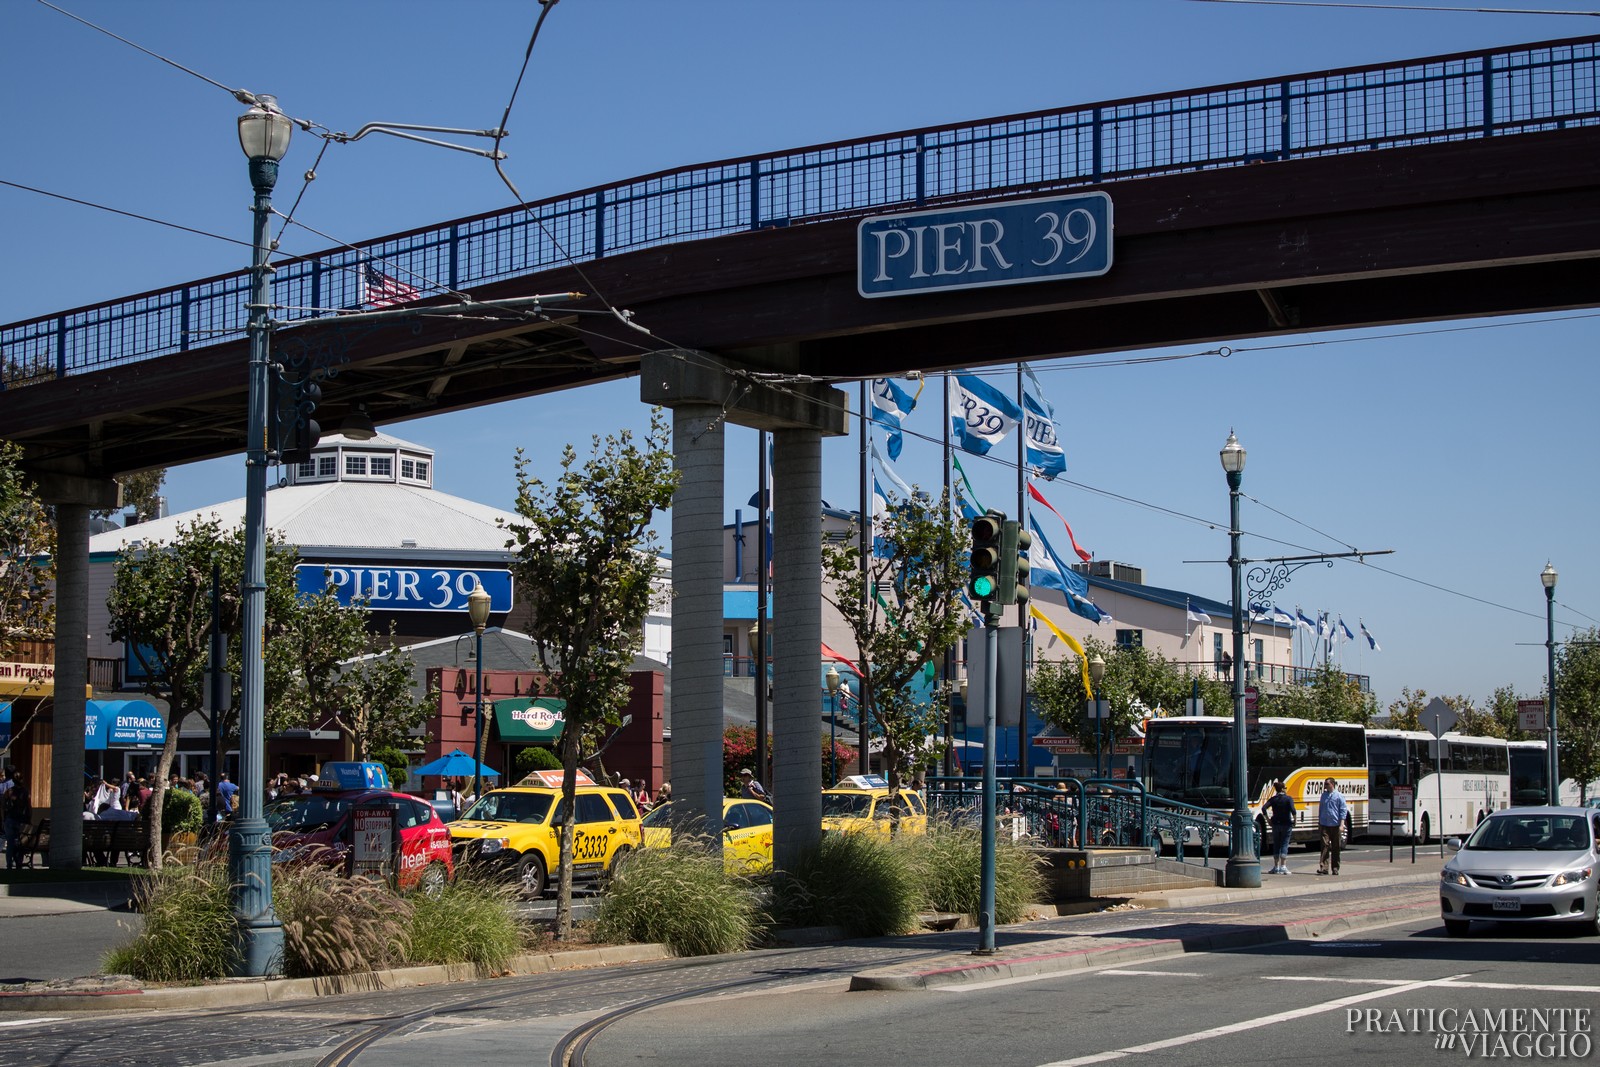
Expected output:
(984, 582)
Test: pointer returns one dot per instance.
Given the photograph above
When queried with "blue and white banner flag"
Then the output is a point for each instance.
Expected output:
(1373, 641)
(1305, 623)
(1341, 632)
(881, 501)
(980, 415)
(1282, 617)
(1046, 572)
(890, 404)
(1045, 455)
(1195, 614)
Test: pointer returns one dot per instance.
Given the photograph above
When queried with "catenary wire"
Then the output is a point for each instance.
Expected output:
(1401, 7)
(125, 214)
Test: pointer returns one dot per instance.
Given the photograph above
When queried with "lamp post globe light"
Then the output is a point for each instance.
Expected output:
(1244, 865)
(478, 612)
(264, 136)
(1552, 753)
(1097, 671)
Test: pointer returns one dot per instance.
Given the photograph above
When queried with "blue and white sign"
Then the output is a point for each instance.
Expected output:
(992, 244)
(405, 588)
(122, 724)
(353, 776)
(5, 724)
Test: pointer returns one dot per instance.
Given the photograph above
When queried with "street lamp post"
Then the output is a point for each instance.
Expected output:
(1552, 754)
(961, 686)
(478, 612)
(1097, 671)
(1244, 866)
(758, 671)
(264, 135)
(833, 719)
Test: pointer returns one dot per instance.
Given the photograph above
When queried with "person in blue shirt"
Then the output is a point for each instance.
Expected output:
(1331, 813)
(226, 792)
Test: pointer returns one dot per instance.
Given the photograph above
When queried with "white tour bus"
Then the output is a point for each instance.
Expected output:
(1190, 759)
(1452, 792)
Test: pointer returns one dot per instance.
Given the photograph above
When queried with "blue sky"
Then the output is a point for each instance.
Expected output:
(1461, 446)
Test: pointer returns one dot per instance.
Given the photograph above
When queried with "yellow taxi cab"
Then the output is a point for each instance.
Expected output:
(746, 833)
(515, 832)
(864, 804)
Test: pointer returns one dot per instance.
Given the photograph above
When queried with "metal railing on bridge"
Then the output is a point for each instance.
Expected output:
(1442, 98)
(1051, 812)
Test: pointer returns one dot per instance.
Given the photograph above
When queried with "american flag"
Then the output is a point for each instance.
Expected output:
(383, 291)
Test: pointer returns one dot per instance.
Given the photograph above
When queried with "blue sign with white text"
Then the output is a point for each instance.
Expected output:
(404, 588)
(122, 724)
(991, 244)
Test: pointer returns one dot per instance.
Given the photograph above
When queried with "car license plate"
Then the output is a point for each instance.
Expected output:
(1507, 904)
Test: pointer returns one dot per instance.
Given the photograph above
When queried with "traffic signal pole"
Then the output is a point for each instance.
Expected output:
(984, 585)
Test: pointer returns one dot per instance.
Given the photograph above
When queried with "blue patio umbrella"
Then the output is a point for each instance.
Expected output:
(457, 764)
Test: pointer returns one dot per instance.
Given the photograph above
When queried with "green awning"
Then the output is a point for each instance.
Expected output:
(530, 720)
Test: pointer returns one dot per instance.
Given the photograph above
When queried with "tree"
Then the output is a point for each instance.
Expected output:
(141, 494)
(27, 557)
(1329, 695)
(1137, 683)
(1578, 707)
(906, 624)
(344, 677)
(586, 563)
(160, 604)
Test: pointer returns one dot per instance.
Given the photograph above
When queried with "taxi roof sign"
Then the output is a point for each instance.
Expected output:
(553, 779)
(353, 776)
(866, 781)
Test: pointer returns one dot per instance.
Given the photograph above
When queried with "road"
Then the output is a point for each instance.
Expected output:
(1285, 999)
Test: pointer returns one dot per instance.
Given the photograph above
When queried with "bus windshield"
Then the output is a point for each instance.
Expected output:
(1192, 763)
(1528, 776)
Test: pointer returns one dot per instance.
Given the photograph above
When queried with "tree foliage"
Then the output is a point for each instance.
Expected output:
(586, 563)
(1578, 707)
(739, 752)
(141, 494)
(27, 557)
(1329, 695)
(907, 622)
(1137, 683)
(160, 605)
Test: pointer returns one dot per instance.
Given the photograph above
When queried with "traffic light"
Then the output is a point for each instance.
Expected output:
(984, 578)
(1015, 543)
(294, 401)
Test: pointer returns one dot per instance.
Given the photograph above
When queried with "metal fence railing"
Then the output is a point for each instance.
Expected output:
(1472, 95)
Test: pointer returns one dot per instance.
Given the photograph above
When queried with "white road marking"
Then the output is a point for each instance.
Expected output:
(1513, 986)
(33, 1022)
(1157, 974)
(1251, 1024)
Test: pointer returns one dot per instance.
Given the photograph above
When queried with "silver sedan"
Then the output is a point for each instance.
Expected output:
(1523, 865)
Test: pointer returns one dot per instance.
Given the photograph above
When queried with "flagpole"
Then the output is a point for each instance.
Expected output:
(949, 653)
(866, 572)
(1022, 609)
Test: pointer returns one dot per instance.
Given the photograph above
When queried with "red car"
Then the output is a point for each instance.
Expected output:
(319, 825)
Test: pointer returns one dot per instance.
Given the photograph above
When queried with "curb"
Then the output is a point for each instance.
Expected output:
(246, 992)
(1188, 898)
(964, 969)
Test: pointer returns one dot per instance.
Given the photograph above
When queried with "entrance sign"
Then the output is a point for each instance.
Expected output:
(1007, 243)
(404, 588)
(122, 724)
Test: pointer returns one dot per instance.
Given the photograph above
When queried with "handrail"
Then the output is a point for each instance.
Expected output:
(1519, 89)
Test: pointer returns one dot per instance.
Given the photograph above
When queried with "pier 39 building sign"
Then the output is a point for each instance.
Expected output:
(1006, 243)
(405, 588)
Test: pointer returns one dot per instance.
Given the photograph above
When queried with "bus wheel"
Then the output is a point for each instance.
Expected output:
(1427, 833)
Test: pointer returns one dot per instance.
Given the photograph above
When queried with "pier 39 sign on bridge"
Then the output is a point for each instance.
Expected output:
(404, 588)
(992, 244)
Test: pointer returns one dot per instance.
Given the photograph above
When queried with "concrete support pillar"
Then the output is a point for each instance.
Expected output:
(697, 577)
(72, 676)
(797, 614)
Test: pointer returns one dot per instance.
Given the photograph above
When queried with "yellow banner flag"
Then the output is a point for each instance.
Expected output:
(1072, 643)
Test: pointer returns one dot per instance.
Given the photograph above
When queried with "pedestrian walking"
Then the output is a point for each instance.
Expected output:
(1331, 813)
(1278, 813)
(18, 814)
(751, 789)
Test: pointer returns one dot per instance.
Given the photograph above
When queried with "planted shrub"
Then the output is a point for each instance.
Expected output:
(948, 860)
(681, 897)
(471, 921)
(338, 925)
(856, 881)
(181, 813)
(188, 929)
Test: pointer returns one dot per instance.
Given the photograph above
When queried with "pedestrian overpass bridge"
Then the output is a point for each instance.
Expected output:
(1434, 188)
(1437, 188)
